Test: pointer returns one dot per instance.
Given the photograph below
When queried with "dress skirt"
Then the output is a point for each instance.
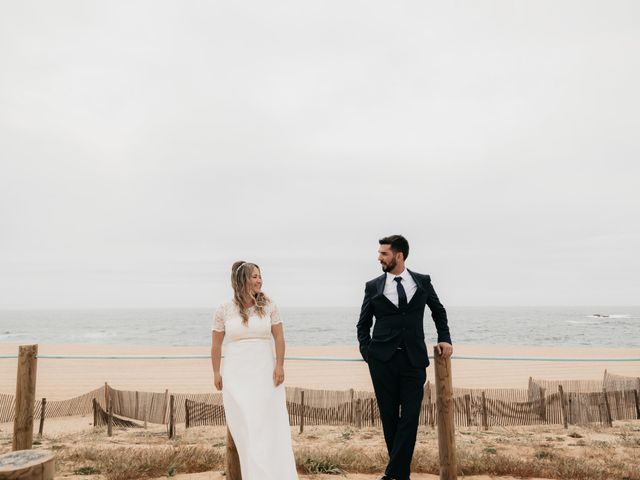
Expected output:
(256, 411)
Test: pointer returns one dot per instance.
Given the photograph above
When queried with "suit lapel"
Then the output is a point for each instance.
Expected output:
(381, 281)
(419, 287)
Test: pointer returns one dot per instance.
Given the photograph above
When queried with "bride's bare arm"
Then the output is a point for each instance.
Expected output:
(216, 357)
(278, 337)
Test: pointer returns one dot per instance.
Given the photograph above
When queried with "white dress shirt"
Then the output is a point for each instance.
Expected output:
(391, 289)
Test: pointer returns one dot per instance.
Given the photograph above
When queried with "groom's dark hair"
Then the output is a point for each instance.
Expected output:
(398, 244)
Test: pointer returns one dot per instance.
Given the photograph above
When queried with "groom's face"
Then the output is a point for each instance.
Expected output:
(387, 258)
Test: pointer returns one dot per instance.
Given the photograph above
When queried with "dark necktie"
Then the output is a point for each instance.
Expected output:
(402, 295)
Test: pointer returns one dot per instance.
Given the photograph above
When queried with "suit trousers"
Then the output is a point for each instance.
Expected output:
(399, 389)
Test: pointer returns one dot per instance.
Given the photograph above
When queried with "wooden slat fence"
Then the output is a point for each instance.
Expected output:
(473, 408)
(7, 407)
(149, 406)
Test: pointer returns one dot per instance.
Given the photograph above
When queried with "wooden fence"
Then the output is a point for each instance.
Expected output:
(581, 402)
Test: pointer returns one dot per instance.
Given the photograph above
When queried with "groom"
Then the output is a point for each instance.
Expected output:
(396, 352)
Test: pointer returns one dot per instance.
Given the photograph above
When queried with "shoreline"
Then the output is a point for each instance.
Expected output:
(60, 379)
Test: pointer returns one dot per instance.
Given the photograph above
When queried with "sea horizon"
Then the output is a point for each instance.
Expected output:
(598, 326)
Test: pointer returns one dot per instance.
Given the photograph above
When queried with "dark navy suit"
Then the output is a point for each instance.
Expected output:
(397, 357)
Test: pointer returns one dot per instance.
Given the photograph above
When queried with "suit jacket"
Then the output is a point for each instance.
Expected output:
(395, 326)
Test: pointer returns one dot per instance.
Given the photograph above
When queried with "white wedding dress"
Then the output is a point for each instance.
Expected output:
(255, 409)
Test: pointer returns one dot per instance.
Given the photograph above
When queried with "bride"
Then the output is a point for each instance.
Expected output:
(251, 380)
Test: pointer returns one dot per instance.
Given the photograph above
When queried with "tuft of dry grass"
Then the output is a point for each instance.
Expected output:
(128, 463)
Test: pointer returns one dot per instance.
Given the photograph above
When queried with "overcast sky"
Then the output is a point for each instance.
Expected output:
(147, 145)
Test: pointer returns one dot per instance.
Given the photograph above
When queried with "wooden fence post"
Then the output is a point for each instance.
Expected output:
(146, 412)
(351, 408)
(562, 407)
(110, 419)
(106, 395)
(186, 413)
(427, 394)
(543, 404)
(166, 406)
(607, 407)
(232, 461)
(372, 410)
(446, 432)
(359, 413)
(25, 397)
(301, 411)
(485, 423)
(172, 424)
(137, 406)
(467, 408)
(95, 412)
(635, 394)
(42, 415)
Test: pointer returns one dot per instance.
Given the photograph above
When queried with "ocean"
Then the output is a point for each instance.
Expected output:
(533, 326)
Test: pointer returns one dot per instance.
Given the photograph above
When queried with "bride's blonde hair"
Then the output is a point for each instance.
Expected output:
(240, 275)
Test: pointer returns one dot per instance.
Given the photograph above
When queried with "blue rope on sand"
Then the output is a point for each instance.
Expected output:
(327, 359)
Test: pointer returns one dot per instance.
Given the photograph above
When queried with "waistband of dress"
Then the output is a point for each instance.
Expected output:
(249, 340)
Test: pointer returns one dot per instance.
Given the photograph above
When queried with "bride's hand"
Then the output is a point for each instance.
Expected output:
(278, 375)
(217, 381)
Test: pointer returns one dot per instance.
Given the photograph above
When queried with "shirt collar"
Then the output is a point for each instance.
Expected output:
(405, 276)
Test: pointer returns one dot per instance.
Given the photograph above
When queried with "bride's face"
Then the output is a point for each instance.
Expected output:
(255, 281)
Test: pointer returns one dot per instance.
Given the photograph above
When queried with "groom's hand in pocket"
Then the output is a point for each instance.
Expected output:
(278, 375)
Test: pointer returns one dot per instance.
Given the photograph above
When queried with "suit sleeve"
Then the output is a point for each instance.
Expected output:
(438, 313)
(364, 323)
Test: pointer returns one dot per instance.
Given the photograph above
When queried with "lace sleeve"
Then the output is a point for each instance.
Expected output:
(218, 320)
(275, 315)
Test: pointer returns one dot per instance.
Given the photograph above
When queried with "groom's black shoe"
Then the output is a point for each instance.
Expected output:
(386, 477)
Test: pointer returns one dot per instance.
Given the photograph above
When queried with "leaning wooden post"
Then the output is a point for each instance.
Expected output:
(302, 411)
(166, 406)
(446, 432)
(43, 406)
(95, 412)
(25, 397)
(232, 461)
(485, 423)
(607, 407)
(563, 407)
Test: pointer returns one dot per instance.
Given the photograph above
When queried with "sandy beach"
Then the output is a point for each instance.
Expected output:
(60, 379)
(504, 453)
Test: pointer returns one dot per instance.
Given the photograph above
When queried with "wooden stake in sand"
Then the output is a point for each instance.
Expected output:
(446, 432)
(302, 411)
(25, 397)
(172, 417)
(43, 409)
(563, 408)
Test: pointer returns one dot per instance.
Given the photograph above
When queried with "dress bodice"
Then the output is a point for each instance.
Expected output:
(228, 319)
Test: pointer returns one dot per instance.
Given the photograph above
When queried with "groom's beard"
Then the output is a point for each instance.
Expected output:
(387, 268)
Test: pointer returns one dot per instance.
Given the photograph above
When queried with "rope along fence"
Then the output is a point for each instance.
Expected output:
(543, 402)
